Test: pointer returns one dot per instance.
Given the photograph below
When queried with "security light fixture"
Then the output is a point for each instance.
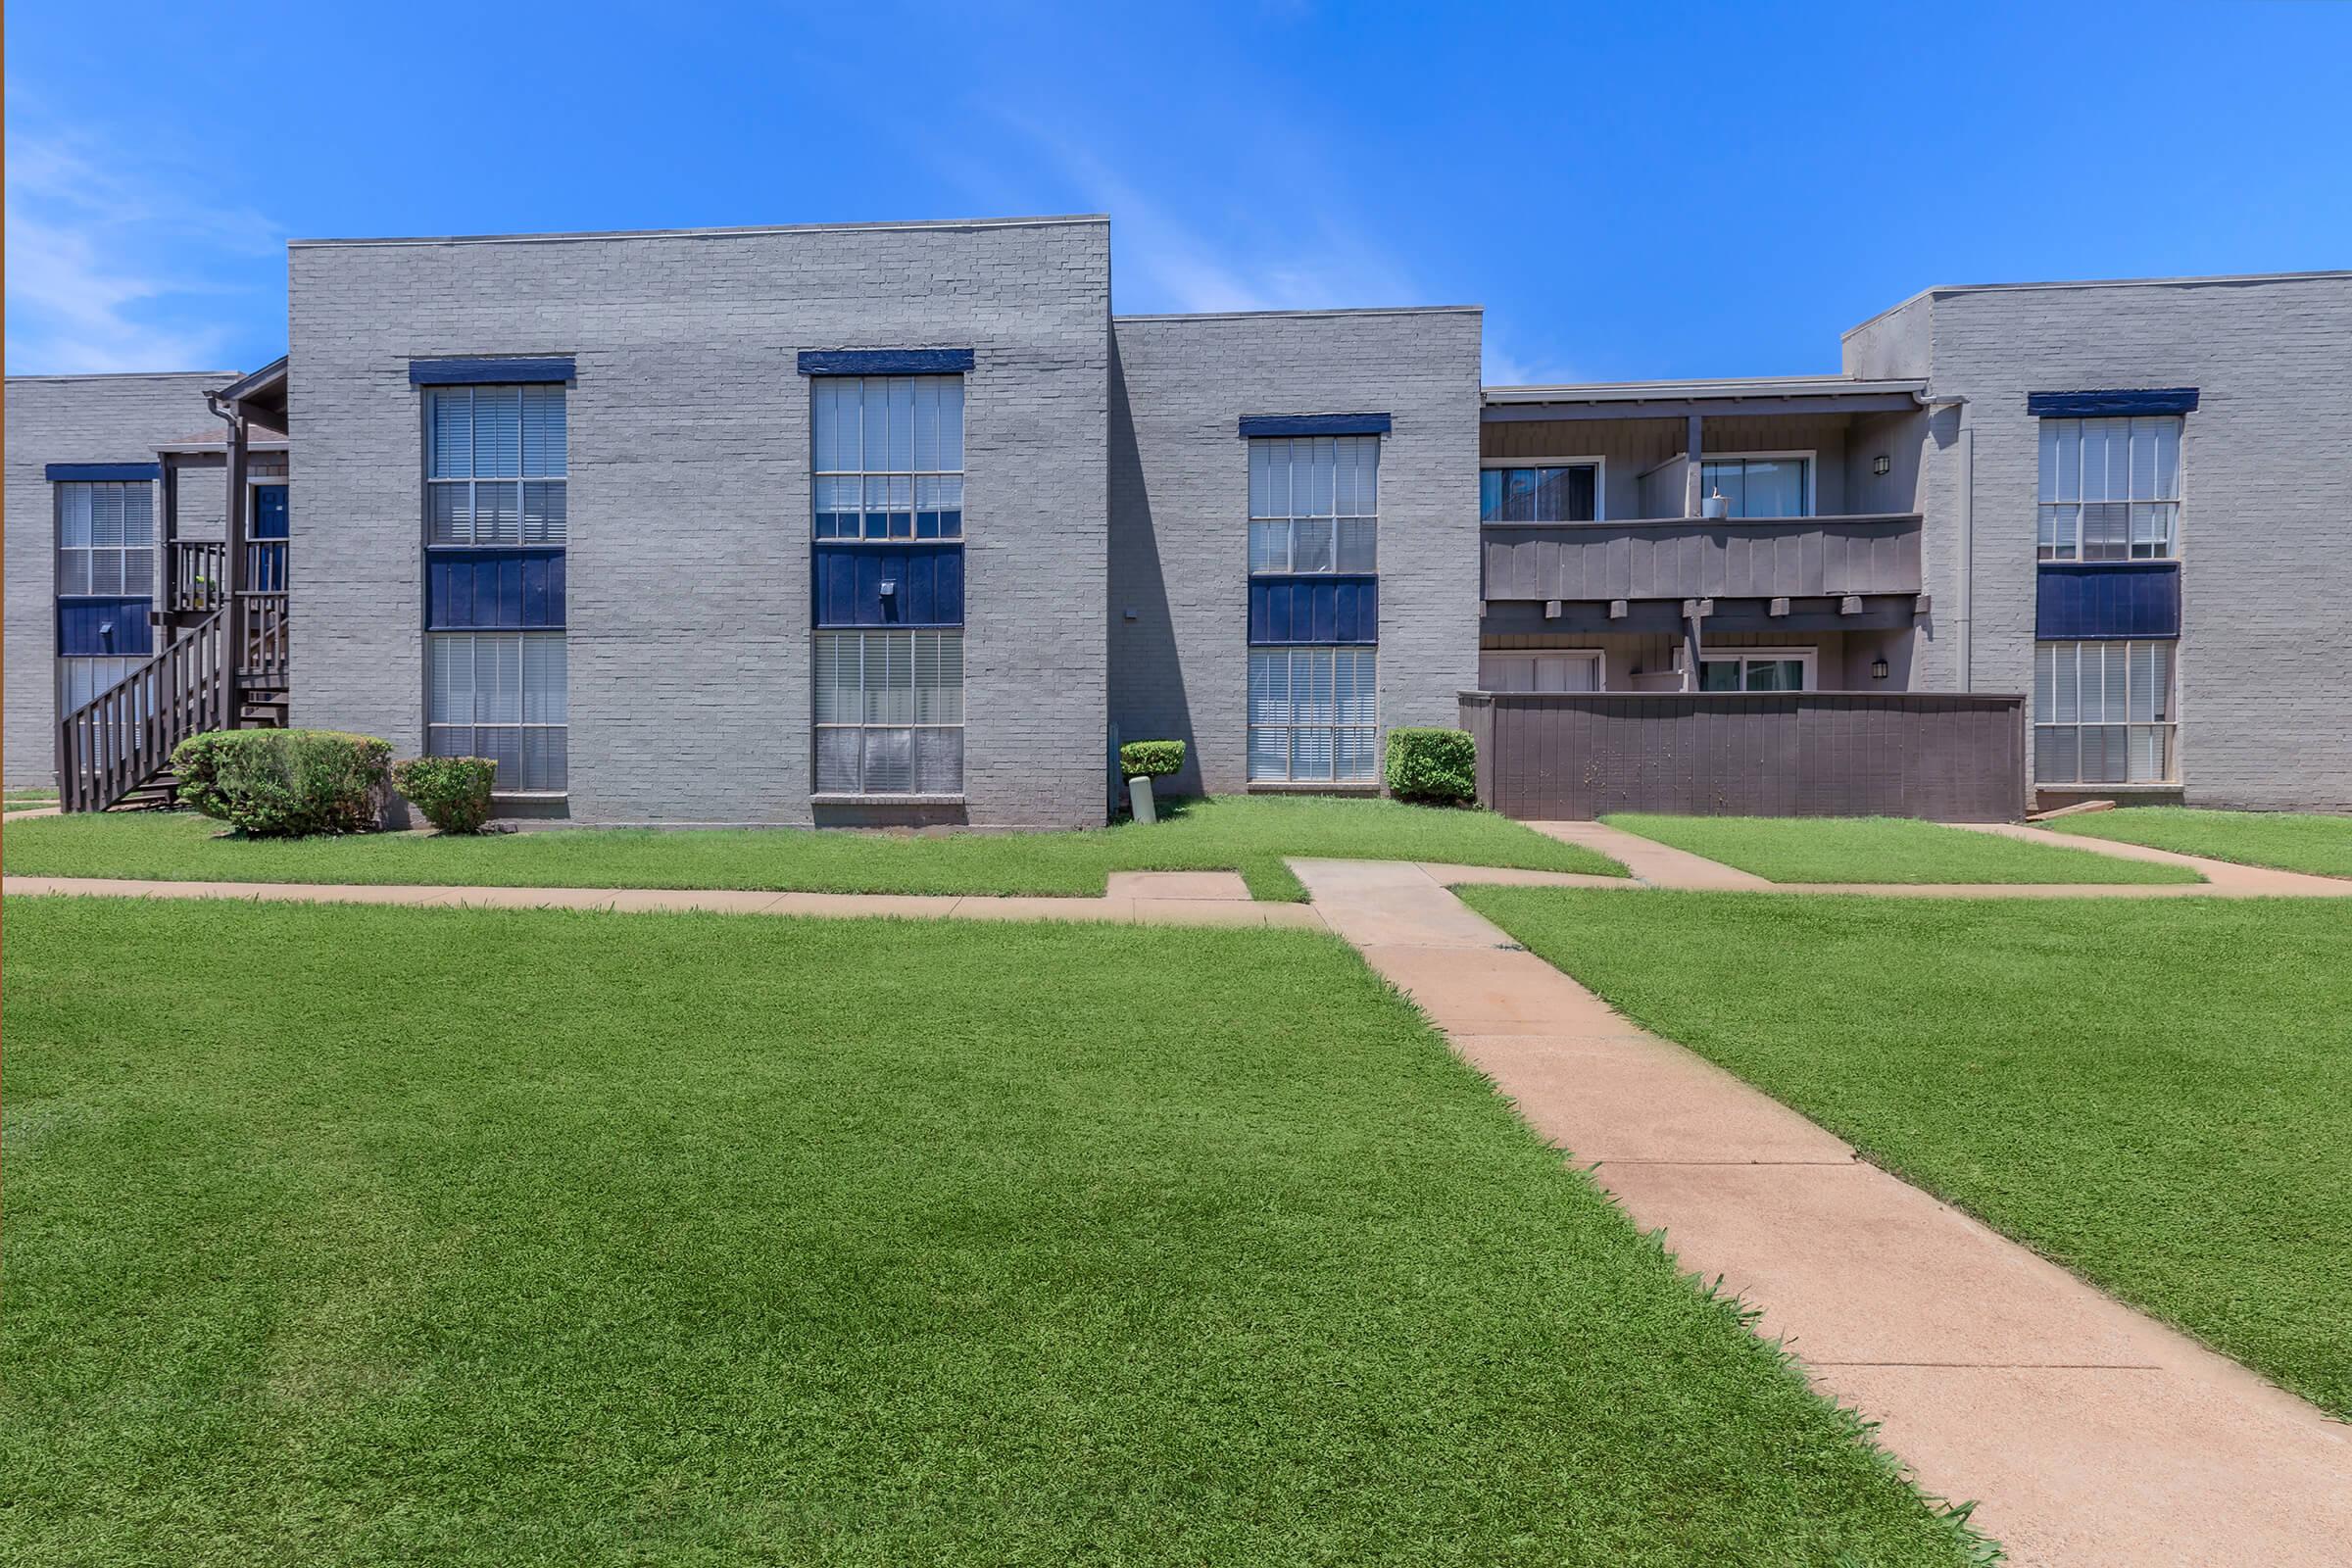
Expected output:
(1880, 463)
(1878, 668)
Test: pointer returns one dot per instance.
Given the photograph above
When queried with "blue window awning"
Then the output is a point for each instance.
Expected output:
(489, 373)
(884, 362)
(1255, 424)
(99, 472)
(2113, 402)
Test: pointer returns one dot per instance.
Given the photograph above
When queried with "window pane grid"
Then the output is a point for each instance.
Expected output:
(1313, 715)
(1314, 504)
(2104, 714)
(496, 462)
(2110, 489)
(888, 711)
(105, 537)
(888, 456)
(501, 696)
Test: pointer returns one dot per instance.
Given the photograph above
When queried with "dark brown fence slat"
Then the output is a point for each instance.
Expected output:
(1952, 756)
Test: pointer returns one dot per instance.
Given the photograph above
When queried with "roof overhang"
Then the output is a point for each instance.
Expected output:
(1674, 399)
(267, 384)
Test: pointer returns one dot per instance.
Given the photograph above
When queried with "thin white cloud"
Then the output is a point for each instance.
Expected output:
(116, 262)
(1505, 368)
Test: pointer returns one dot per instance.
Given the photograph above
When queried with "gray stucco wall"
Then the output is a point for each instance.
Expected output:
(1180, 506)
(689, 553)
(2265, 547)
(69, 419)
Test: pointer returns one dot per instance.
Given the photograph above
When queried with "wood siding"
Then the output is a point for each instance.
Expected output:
(1691, 558)
(1949, 757)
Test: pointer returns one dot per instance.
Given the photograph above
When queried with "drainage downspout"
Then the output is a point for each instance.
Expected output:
(1966, 529)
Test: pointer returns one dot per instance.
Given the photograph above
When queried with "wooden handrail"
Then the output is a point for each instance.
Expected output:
(124, 736)
(198, 571)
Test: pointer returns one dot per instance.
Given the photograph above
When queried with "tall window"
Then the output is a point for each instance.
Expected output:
(1313, 714)
(497, 460)
(889, 461)
(494, 464)
(1759, 487)
(1314, 504)
(2110, 488)
(889, 713)
(105, 538)
(1558, 493)
(2103, 712)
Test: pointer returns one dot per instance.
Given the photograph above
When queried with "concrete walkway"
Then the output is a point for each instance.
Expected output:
(2088, 1433)
(1138, 898)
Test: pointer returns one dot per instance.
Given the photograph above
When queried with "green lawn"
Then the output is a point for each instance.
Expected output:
(1243, 833)
(2290, 841)
(1882, 849)
(24, 800)
(2156, 1092)
(547, 1238)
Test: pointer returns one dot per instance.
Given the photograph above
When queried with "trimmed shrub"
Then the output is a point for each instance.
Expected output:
(284, 783)
(1436, 766)
(1151, 759)
(453, 792)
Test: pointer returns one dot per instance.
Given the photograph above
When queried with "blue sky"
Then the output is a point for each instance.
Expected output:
(1631, 190)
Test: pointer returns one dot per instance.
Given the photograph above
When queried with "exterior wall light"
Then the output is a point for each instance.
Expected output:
(1880, 463)
(1878, 668)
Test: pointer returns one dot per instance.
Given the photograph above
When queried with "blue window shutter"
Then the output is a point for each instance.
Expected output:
(88, 627)
(846, 582)
(2095, 601)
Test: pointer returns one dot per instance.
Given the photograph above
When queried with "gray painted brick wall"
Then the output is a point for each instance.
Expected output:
(2265, 550)
(688, 567)
(69, 419)
(1180, 506)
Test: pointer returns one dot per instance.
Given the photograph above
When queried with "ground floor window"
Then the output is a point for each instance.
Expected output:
(1756, 669)
(1567, 670)
(1314, 714)
(2104, 714)
(889, 713)
(80, 680)
(500, 695)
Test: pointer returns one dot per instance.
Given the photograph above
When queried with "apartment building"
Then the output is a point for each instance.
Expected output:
(898, 523)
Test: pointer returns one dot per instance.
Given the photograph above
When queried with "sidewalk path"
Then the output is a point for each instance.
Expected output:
(2088, 1433)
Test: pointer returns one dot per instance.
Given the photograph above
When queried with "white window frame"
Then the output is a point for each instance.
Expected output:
(61, 493)
(1805, 652)
(559, 484)
(865, 723)
(2166, 702)
(519, 724)
(1598, 658)
(1600, 480)
(1290, 520)
(1290, 776)
(2177, 501)
(915, 477)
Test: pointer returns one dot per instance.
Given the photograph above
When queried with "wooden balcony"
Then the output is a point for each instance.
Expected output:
(1698, 558)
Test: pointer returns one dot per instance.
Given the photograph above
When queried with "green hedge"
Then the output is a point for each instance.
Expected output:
(453, 792)
(1437, 766)
(284, 783)
(1151, 759)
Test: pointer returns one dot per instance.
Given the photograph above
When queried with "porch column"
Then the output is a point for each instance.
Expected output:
(1693, 614)
(1692, 448)
(232, 567)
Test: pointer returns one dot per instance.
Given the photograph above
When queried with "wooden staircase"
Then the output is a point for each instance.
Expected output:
(115, 751)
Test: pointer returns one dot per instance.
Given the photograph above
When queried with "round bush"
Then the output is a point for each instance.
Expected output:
(1151, 759)
(1438, 766)
(453, 792)
(284, 783)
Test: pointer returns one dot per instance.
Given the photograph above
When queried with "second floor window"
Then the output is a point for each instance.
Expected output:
(496, 458)
(2110, 488)
(1555, 493)
(889, 459)
(105, 538)
(1758, 487)
(1314, 504)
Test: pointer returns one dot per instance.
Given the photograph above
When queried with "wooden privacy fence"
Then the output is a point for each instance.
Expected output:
(1564, 755)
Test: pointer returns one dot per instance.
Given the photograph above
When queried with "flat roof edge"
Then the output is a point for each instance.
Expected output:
(1766, 386)
(2201, 281)
(566, 236)
(222, 377)
(1303, 312)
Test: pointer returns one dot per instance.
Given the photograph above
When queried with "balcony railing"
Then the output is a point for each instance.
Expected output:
(199, 570)
(1696, 557)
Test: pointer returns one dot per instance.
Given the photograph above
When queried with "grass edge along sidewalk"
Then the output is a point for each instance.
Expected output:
(1797, 850)
(689, 1237)
(2313, 843)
